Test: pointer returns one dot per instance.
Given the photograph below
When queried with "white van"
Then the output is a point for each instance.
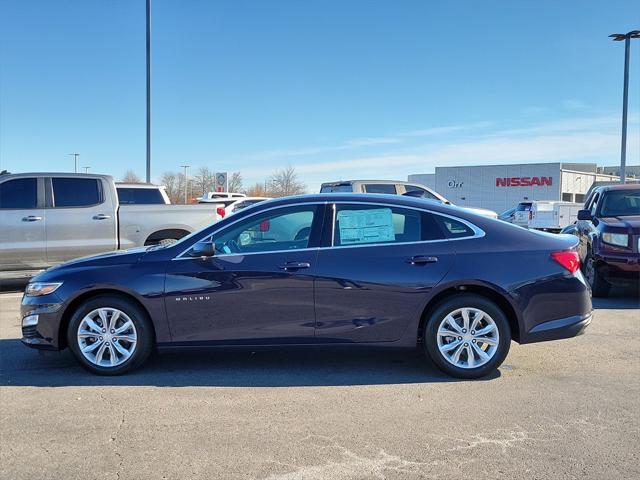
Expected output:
(553, 216)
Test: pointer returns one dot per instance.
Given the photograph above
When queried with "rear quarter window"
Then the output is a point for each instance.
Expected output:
(454, 228)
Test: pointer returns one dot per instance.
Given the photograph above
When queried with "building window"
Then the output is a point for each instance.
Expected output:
(579, 198)
(567, 197)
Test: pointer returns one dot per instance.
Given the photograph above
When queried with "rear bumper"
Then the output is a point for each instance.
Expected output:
(558, 329)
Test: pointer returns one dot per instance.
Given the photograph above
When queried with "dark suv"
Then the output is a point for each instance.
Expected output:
(609, 233)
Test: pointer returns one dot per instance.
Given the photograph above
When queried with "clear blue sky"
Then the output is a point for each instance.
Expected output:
(338, 89)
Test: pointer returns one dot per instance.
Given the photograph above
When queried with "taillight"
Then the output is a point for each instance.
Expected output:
(221, 211)
(568, 260)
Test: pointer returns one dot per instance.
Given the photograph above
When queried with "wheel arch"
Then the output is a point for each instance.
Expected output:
(164, 234)
(83, 297)
(479, 289)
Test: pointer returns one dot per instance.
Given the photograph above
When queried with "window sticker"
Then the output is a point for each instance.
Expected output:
(365, 226)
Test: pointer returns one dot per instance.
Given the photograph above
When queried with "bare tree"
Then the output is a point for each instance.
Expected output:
(131, 177)
(235, 182)
(170, 182)
(257, 190)
(204, 181)
(286, 182)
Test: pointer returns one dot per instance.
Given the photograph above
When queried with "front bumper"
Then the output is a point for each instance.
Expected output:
(45, 334)
(619, 268)
(558, 329)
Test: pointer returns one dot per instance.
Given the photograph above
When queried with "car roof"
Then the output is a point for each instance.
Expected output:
(399, 200)
(56, 174)
(138, 185)
(621, 186)
(384, 182)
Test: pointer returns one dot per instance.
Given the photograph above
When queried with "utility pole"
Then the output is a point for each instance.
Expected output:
(86, 169)
(75, 161)
(148, 91)
(618, 37)
(186, 182)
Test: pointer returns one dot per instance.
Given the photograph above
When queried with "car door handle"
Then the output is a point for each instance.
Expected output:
(295, 265)
(421, 260)
(31, 218)
(101, 216)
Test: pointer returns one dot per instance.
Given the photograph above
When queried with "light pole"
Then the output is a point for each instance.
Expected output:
(148, 51)
(75, 161)
(618, 37)
(186, 182)
(86, 169)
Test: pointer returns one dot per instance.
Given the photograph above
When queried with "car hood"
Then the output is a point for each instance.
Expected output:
(108, 258)
(631, 222)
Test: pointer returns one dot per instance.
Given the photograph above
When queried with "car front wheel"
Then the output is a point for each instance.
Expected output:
(599, 286)
(110, 335)
(467, 336)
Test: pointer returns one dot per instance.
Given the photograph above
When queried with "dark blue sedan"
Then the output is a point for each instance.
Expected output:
(332, 270)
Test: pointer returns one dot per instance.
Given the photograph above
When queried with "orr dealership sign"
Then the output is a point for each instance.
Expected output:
(524, 181)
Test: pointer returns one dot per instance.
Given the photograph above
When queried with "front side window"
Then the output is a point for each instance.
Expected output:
(594, 204)
(274, 230)
(19, 193)
(380, 188)
(374, 224)
(76, 192)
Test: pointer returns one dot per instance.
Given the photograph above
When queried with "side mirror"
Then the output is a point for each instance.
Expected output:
(584, 215)
(204, 248)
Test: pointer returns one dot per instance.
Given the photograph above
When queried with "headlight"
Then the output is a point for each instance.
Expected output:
(620, 239)
(38, 289)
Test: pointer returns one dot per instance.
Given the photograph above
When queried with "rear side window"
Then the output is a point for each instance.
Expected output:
(140, 196)
(454, 228)
(343, 187)
(380, 188)
(19, 193)
(76, 192)
(374, 224)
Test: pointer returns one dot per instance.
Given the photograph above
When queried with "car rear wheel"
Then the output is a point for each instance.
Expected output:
(599, 286)
(467, 336)
(110, 335)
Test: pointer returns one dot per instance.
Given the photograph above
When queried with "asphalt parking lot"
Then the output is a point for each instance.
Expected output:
(565, 409)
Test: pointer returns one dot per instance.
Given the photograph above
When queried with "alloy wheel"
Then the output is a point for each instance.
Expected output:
(468, 338)
(107, 337)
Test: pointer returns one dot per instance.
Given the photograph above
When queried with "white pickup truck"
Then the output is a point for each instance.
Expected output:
(49, 218)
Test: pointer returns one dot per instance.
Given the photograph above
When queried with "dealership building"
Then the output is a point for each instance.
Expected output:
(500, 187)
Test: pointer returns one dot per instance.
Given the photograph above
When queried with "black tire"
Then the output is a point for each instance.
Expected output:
(599, 286)
(140, 319)
(451, 304)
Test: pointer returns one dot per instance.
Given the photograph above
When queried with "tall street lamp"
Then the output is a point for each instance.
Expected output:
(618, 37)
(75, 161)
(186, 182)
(148, 52)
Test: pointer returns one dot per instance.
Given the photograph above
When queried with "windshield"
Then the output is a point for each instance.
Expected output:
(523, 207)
(342, 187)
(620, 203)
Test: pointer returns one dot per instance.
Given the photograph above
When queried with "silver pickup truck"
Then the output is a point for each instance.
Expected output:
(49, 218)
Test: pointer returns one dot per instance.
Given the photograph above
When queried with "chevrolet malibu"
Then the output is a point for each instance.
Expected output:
(333, 270)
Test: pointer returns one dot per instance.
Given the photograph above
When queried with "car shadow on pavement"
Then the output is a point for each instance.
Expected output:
(619, 299)
(20, 366)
